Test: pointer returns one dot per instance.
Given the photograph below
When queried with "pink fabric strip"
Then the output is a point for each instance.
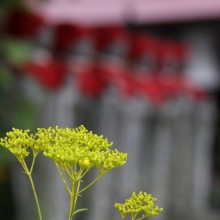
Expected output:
(98, 12)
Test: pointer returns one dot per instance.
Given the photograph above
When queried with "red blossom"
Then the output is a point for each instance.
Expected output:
(23, 24)
(50, 75)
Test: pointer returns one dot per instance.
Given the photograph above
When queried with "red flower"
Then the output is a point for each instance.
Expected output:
(50, 75)
(66, 35)
(89, 82)
(106, 36)
(143, 45)
(23, 23)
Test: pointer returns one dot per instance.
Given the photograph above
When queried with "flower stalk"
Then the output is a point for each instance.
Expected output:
(29, 174)
(75, 152)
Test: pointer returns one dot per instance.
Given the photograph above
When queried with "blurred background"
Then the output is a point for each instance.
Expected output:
(143, 73)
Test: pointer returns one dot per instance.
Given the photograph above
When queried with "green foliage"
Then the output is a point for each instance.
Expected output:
(16, 51)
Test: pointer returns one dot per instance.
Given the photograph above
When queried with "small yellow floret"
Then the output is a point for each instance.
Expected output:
(140, 203)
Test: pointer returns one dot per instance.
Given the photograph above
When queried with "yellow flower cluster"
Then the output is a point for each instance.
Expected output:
(142, 203)
(18, 141)
(68, 147)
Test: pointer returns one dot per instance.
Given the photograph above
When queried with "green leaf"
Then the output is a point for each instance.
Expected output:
(80, 210)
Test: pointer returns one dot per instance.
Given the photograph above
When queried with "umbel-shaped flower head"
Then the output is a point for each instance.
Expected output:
(74, 151)
(80, 147)
(140, 205)
(67, 147)
(17, 142)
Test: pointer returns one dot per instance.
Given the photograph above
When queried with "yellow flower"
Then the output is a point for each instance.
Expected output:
(142, 203)
(68, 147)
(18, 141)
(85, 163)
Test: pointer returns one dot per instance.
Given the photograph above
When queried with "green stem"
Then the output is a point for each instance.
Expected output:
(122, 218)
(77, 191)
(93, 182)
(72, 200)
(32, 186)
(74, 193)
(69, 174)
(63, 179)
(141, 218)
(32, 165)
(35, 196)
(84, 173)
(132, 216)
(71, 207)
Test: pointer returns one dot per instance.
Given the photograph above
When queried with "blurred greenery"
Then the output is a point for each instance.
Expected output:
(6, 80)
(12, 4)
(16, 109)
(5, 5)
(16, 51)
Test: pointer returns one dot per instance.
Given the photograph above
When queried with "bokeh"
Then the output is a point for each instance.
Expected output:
(145, 74)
